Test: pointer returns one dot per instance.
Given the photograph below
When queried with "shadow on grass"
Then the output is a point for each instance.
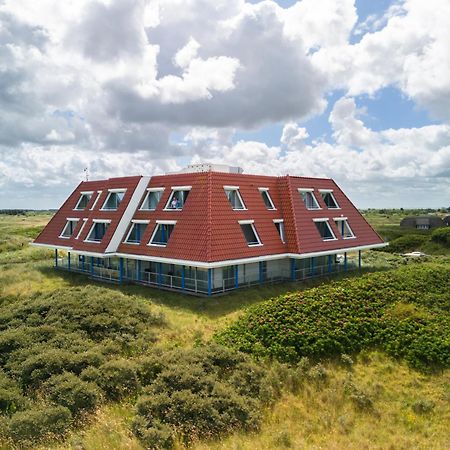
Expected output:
(210, 307)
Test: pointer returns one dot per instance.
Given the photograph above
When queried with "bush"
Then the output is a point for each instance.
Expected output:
(11, 398)
(407, 243)
(201, 393)
(70, 391)
(35, 424)
(441, 236)
(351, 315)
(118, 379)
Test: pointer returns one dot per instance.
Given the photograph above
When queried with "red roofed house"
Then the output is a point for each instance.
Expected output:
(207, 229)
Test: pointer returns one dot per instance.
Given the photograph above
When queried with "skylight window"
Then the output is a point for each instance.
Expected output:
(136, 232)
(234, 197)
(328, 198)
(250, 234)
(152, 199)
(98, 230)
(161, 233)
(324, 229)
(343, 227)
(178, 198)
(266, 198)
(279, 225)
(309, 199)
(115, 197)
(83, 201)
(69, 228)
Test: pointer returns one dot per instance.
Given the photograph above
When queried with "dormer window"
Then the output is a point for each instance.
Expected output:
(83, 201)
(136, 232)
(250, 234)
(178, 198)
(115, 197)
(308, 198)
(324, 229)
(98, 230)
(328, 198)
(162, 232)
(266, 198)
(69, 228)
(234, 197)
(343, 227)
(152, 199)
(279, 225)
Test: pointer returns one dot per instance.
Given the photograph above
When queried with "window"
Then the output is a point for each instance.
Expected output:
(136, 232)
(324, 229)
(266, 198)
(152, 199)
(69, 228)
(178, 198)
(343, 227)
(114, 199)
(250, 233)
(97, 231)
(234, 197)
(309, 199)
(162, 232)
(83, 200)
(328, 198)
(279, 225)
(99, 193)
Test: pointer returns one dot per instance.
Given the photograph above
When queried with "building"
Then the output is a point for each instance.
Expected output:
(422, 222)
(207, 231)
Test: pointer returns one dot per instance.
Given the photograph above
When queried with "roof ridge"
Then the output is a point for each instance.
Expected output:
(291, 208)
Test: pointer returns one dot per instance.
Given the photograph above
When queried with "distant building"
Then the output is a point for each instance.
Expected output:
(207, 229)
(422, 222)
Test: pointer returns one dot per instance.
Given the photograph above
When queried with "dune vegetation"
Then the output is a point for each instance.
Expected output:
(356, 362)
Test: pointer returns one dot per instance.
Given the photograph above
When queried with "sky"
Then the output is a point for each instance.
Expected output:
(357, 91)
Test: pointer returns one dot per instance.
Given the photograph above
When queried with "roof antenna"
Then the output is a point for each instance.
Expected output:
(85, 170)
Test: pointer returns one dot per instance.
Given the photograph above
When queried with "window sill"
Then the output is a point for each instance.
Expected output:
(147, 209)
(330, 239)
(350, 237)
(255, 245)
(92, 242)
(157, 245)
(171, 209)
(313, 209)
(108, 209)
(131, 243)
(64, 237)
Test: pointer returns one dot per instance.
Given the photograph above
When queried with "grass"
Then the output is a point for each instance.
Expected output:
(319, 415)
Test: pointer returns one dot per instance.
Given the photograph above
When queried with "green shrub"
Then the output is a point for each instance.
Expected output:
(70, 391)
(407, 243)
(441, 236)
(204, 392)
(351, 315)
(118, 379)
(423, 406)
(11, 398)
(35, 424)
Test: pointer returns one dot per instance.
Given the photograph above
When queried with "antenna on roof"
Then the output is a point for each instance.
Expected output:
(86, 171)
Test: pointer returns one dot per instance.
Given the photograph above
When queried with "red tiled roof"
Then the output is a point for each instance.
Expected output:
(207, 228)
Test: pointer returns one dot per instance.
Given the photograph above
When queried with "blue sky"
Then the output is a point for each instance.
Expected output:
(354, 90)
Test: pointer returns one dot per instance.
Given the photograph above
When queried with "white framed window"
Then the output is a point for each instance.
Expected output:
(113, 200)
(83, 201)
(137, 230)
(329, 199)
(309, 198)
(69, 228)
(99, 193)
(177, 198)
(234, 197)
(267, 198)
(98, 230)
(343, 227)
(162, 232)
(324, 229)
(81, 229)
(279, 225)
(250, 233)
(152, 199)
